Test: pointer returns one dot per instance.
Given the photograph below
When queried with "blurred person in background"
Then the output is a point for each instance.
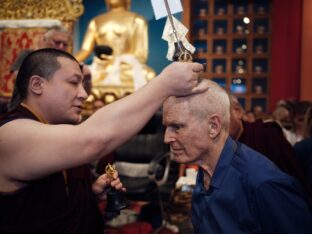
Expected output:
(303, 148)
(268, 139)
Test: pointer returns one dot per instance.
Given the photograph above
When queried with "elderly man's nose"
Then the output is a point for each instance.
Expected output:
(168, 136)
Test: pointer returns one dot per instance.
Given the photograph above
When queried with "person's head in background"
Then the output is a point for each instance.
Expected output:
(57, 37)
(97, 104)
(308, 122)
(249, 116)
(197, 126)
(301, 116)
(51, 82)
(87, 81)
(284, 116)
(258, 112)
(237, 112)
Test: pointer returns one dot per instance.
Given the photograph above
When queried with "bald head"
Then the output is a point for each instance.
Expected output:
(197, 126)
(213, 101)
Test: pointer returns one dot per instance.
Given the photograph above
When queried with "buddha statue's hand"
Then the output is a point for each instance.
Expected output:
(103, 52)
(106, 57)
(182, 79)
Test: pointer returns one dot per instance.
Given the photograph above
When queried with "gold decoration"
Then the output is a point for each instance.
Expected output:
(13, 40)
(110, 171)
(64, 10)
(103, 95)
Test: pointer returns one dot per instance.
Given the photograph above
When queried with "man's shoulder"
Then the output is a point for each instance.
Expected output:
(20, 112)
(254, 166)
(262, 135)
(17, 129)
(272, 124)
(263, 125)
(247, 157)
(14, 122)
(305, 143)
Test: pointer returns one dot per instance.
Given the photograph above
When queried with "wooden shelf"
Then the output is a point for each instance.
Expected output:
(229, 46)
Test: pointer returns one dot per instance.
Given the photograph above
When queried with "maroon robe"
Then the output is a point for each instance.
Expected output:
(45, 206)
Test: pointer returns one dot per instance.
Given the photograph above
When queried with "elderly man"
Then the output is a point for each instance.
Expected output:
(45, 185)
(237, 189)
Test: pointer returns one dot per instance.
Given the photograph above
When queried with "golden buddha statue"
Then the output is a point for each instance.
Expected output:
(126, 33)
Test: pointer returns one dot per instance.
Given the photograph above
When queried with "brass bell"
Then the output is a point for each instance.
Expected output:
(116, 201)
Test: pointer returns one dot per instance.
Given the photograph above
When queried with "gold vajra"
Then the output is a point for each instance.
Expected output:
(110, 170)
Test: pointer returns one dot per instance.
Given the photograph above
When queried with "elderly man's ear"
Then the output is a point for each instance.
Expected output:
(214, 123)
(35, 84)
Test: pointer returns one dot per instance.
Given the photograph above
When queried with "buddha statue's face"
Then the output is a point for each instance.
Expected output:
(117, 3)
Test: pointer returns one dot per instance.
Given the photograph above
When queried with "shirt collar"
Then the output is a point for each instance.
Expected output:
(223, 163)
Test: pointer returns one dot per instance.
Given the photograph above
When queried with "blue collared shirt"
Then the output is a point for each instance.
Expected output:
(249, 194)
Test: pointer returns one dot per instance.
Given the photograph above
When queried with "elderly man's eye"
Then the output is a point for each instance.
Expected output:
(74, 82)
(177, 127)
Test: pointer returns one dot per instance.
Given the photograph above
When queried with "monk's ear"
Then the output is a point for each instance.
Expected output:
(36, 84)
(214, 123)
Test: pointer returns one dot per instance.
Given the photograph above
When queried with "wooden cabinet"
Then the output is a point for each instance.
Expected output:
(234, 39)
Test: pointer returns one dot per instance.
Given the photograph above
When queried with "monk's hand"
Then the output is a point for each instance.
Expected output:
(103, 184)
(182, 79)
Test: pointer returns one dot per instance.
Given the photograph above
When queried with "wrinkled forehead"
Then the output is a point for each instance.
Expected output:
(172, 102)
(181, 102)
(60, 36)
(174, 107)
(60, 33)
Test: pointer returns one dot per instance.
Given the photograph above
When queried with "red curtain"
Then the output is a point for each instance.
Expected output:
(286, 44)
